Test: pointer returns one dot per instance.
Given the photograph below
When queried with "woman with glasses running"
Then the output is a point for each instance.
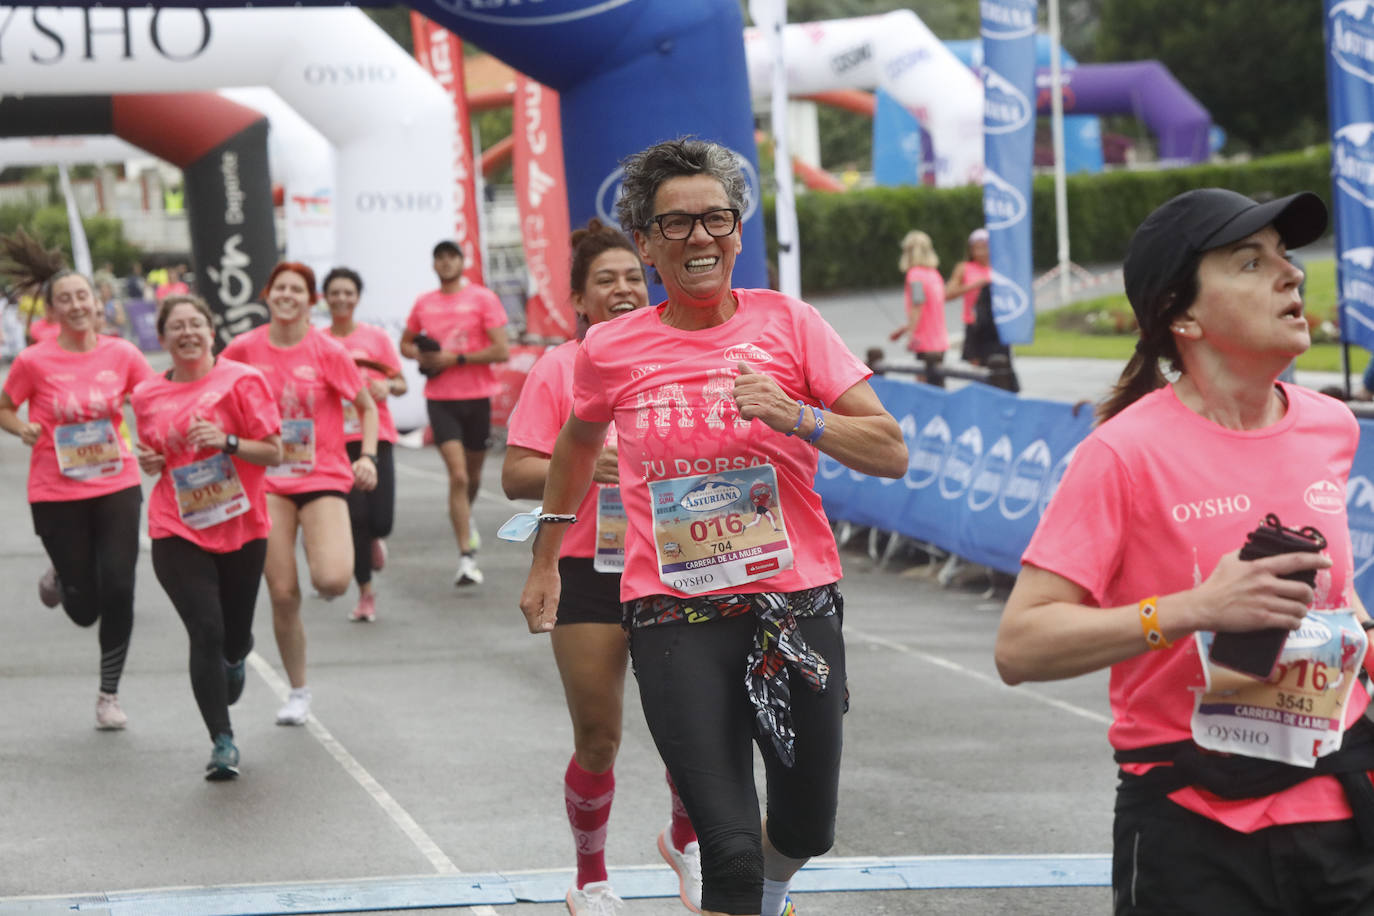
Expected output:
(310, 374)
(588, 642)
(208, 429)
(83, 488)
(734, 632)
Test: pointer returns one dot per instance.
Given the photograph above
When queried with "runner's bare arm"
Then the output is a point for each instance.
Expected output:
(365, 468)
(1048, 633)
(9, 421)
(523, 473)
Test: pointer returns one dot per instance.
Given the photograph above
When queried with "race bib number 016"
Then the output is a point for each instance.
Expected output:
(713, 531)
(1298, 715)
(88, 451)
(209, 492)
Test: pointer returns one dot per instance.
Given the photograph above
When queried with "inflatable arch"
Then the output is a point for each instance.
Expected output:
(389, 123)
(895, 52)
(221, 148)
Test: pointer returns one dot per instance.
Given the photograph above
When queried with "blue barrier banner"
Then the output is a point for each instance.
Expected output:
(982, 466)
(1350, 103)
(1359, 508)
(1008, 33)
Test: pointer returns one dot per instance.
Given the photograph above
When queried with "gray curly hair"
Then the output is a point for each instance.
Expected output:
(647, 170)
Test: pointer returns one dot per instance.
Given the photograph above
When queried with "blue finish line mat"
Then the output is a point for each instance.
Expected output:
(828, 875)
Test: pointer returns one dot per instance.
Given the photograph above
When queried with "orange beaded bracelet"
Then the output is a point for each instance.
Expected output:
(1149, 623)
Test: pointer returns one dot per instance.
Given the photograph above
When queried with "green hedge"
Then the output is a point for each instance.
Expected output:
(851, 240)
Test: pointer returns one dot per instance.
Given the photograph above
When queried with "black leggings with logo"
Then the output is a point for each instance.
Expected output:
(93, 545)
(691, 685)
(214, 594)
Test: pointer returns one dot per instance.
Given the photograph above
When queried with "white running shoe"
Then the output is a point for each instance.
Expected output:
(108, 716)
(468, 573)
(595, 899)
(297, 707)
(687, 864)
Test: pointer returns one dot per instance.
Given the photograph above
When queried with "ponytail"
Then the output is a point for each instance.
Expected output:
(1156, 345)
(1139, 378)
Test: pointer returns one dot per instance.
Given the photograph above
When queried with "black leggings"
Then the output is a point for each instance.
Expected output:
(691, 685)
(214, 594)
(93, 545)
(371, 513)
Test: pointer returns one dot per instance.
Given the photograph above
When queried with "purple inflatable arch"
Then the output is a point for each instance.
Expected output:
(1144, 88)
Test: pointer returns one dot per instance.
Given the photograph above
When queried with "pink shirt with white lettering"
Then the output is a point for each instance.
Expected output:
(371, 342)
(308, 380)
(1137, 516)
(669, 394)
(232, 396)
(460, 322)
(544, 405)
(64, 388)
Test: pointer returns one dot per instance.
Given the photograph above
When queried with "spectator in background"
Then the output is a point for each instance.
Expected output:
(175, 285)
(925, 304)
(135, 285)
(969, 277)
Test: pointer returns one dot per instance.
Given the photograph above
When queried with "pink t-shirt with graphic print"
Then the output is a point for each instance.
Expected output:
(308, 381)
(930, 335)
(371, 342)
(232, 396)
(669, 393)
(545, 402)
(460, 322)
(1149, 504)
(64, 388)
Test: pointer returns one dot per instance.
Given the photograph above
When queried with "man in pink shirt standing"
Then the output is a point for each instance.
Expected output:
(457, 332)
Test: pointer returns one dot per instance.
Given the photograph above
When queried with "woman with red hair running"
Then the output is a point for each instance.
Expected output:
(310, 374)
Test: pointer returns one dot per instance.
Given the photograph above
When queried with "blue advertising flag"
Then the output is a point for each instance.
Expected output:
(1350, 97)
(1008, 32)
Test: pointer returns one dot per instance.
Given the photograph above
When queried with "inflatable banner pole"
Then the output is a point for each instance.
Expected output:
(441, 53)
(771, 18)
(81, 249)
(1061, 198)
(541, 195)
(1008, 31)
(1350, 98)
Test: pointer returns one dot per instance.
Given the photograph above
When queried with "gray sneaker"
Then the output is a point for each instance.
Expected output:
(224, 760)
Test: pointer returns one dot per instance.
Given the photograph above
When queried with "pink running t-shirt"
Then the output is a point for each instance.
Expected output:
(930, 336)
(460, 321)
(370, 342)
(66, 389)
(1150, 502)
(308, 380)
(545, 402)
(973, 272)
(669, 393)
(44, 329)
(232, 396)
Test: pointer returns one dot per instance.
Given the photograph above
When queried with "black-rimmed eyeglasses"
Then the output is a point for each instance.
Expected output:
(717, 223)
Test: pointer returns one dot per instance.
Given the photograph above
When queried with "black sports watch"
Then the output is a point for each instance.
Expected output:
(231, 444)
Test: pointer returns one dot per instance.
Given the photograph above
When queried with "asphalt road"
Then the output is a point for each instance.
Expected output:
(440, 739)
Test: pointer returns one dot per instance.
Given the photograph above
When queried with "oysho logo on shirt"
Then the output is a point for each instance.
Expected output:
(1211, 508)
(750, 353)
(1324, 496)
(305, 373)
(107, 377)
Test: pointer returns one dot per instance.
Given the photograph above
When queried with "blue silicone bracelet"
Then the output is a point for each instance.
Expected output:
(801, 415)
(820, 427)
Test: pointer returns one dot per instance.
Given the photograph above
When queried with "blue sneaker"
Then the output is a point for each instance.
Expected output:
(224, 760)
(234, 677)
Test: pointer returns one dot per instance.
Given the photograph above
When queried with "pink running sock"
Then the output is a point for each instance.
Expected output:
(588, 797)
(683, 831)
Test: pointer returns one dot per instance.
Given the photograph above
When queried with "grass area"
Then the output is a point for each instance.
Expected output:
(1104, 328)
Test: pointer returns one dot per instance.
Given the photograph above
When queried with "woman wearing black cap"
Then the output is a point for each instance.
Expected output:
(1240, 793)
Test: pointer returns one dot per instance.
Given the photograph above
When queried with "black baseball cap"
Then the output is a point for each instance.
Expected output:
(447, 247)
(1198, 221)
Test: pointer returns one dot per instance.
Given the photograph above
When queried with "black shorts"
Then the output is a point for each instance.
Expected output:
(588, 596)
(304, 499)
(468, 421)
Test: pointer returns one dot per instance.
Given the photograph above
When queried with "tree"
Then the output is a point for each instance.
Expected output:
(1257, 67)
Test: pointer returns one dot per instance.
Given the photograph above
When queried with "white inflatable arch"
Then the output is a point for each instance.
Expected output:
(896, 52)
(390, 124)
